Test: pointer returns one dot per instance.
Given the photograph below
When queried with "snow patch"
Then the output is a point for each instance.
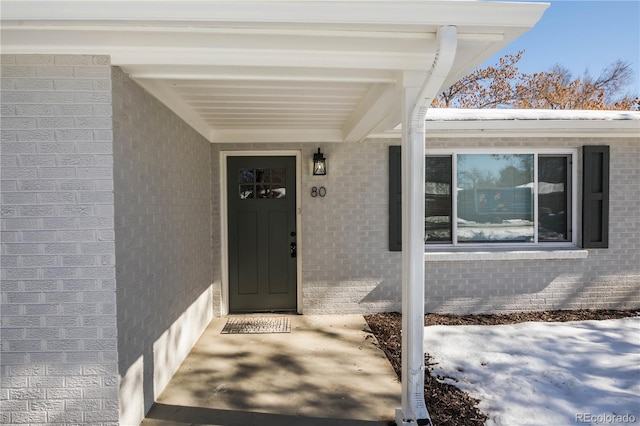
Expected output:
(582, 372)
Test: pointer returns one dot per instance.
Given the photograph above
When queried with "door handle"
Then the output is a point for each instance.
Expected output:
(293, 249)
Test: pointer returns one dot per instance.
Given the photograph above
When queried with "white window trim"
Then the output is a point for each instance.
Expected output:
(476, 254)
(511, 251)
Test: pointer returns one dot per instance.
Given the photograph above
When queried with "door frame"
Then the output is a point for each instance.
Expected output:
(224, 234)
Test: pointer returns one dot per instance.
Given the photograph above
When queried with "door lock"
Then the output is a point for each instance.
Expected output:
(293, 249)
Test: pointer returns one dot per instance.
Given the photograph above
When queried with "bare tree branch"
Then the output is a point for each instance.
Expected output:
(504, 86)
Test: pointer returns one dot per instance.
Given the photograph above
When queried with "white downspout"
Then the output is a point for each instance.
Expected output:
(414, 410)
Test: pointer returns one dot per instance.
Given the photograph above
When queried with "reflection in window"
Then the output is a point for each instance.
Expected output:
(262, 183)
(438, 199)
(553, 198)
(495, 198)
(246, 175)
(246, 191)
(263, 175)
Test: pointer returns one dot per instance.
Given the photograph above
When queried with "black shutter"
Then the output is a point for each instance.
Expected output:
(595, 197)
(395, 199)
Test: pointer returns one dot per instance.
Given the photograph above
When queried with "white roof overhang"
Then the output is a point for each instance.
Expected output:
(270, 70)
(528, 123)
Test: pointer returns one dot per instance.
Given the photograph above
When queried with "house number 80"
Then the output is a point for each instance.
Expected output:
(315, 191)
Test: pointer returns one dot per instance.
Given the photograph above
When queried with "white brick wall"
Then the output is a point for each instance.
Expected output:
(347, 267)
(58, 306)
(216, 247)
(163, 242)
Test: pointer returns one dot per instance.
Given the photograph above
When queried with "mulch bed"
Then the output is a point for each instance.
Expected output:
(448, 405)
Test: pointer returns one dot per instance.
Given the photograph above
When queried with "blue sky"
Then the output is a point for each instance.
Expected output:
(582, 35)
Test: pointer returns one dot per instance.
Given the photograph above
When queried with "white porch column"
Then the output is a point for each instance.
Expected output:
(413, 405)
(416, 98)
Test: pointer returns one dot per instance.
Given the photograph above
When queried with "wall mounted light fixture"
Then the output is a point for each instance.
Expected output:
(319, 164)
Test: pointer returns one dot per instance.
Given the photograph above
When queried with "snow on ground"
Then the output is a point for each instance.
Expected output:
(572, 373)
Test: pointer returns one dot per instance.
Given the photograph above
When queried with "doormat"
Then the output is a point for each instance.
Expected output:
(257, 325)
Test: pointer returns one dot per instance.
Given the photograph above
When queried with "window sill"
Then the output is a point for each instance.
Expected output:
(501, 254)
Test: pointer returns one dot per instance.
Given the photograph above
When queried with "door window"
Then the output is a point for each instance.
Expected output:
(262, 183)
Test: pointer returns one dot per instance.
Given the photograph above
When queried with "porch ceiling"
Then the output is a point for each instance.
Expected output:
(270, 71)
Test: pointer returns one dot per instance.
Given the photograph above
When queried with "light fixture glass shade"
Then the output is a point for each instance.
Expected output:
(319, 164)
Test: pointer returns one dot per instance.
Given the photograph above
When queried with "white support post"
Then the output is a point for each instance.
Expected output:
(414, 410)
(415, 102)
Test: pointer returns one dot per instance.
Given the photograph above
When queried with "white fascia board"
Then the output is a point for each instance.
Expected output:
(155, 55)
(165, 46)
(126, 34)
(525, 129)
(172, 36)
(531, 133)
(454, 122)
(322, 12)
(528, 115)
(539, 128)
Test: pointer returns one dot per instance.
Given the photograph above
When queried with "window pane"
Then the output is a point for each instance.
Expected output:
(246, 192)
(495, 200)
(278, 191)
(262, 175)
(263, 191)
(271, 183)
(278, 175)
(437, 222)
(278, 183)
(553, 198)
(246, 175)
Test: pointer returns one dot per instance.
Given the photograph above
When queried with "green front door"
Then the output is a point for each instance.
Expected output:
(261, 193)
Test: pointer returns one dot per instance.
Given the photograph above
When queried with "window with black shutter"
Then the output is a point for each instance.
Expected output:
(506, 197)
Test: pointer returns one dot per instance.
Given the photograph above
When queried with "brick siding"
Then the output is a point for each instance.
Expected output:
(163, 242)
(347, 267)
(58, 299)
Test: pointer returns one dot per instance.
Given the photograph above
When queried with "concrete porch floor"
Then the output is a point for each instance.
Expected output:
(327, 371)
